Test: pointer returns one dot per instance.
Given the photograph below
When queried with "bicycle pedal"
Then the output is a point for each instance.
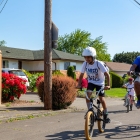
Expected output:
(107, 120)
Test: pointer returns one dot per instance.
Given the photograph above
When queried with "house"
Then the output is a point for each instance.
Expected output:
(119, 68)
(32, 60)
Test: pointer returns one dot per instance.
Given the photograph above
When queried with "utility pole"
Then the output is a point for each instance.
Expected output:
(48, 56)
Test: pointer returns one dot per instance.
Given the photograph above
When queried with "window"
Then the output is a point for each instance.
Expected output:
(66, 65)
(74, 67)
(5, 64)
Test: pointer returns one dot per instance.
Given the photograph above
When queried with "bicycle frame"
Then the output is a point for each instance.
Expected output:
(92, 105)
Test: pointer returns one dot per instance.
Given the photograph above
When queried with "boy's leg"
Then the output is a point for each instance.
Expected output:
(88, 101)
(102, 100)
(90, 88)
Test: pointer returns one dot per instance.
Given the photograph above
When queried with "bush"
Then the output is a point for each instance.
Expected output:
(71, 73)
(39, 79)
(57, 72)
(12, 87)
(32, 81)
(63, 91)
(117, 81)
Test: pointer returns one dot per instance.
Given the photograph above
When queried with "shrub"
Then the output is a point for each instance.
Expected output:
(32, 80)
(57, 72)
(12, 87)
(39, 79)
(117, 81)
(70, 72)
(63, 91)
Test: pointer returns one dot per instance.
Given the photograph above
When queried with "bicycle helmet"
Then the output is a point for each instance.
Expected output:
(130, 79)
(89, 51)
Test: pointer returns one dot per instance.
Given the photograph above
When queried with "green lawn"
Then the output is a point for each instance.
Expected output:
(116, 92)
(113, 92)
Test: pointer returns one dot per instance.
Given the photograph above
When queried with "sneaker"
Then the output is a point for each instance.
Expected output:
(106, 119)
(138, 104)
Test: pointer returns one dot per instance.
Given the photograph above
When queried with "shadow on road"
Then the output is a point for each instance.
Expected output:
(67, 135)
(120, 132)
(118, 111)
(29, 108)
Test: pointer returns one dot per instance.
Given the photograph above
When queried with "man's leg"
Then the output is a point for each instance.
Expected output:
(137, 90)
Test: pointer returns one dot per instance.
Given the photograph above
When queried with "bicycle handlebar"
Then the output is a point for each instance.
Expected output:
(135, 73)
(96, 94)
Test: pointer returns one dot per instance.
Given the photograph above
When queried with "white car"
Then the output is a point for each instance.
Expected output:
(17, 72)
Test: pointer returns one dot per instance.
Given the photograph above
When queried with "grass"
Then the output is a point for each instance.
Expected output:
(116, 92)
(113, 92)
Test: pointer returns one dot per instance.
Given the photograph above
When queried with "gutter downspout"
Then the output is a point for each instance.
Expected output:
(55, 64)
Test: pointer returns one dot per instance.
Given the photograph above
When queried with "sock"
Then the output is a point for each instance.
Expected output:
(105, 111)
(88, 105)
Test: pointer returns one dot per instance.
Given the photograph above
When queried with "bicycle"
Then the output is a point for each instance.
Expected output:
(93, 116)
(128, 100)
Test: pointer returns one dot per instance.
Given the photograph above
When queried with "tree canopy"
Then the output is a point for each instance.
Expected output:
(2, 43)
(125, 57)
(78, 40)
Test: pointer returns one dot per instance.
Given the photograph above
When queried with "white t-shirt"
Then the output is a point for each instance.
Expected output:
(94, 72)
(130, 88)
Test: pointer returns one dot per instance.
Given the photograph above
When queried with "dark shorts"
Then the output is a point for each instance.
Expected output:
(93, 86)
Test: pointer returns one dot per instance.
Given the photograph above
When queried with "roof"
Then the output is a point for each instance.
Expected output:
(115, 66)
(24, 54)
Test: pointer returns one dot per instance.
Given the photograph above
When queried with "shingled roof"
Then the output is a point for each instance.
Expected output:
(24, 54)
(115, 66)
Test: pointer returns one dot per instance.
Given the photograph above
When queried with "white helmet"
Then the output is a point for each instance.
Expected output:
(89, 51)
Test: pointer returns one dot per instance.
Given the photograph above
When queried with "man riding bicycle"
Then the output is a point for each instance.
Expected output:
(96, 73)
(136, 68)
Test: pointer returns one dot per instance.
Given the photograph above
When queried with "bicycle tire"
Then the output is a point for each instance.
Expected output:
(89, 123)
(101, 124)
(128, 104)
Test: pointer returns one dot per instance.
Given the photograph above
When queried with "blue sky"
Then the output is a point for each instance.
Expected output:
(118, 21)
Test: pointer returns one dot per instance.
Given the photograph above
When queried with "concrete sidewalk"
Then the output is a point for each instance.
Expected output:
(35, 108)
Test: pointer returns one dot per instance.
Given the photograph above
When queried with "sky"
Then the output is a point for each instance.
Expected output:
(117, 21)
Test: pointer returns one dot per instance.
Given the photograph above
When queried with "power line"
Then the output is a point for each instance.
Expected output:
(1, 2)
(3, 6)
(134, 3)
(137, 2)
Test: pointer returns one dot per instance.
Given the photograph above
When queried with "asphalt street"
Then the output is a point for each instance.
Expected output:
(70, 125)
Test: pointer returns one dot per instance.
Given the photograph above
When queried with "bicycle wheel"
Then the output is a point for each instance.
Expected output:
(101, 124)
(128, 104)
(89, 123)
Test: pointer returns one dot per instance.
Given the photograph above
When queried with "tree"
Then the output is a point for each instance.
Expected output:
(125, 57)
(74, 42)
(2, 43)
(78, 40)
(101, 49)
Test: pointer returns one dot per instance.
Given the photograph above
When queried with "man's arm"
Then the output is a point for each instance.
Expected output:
(132, 68)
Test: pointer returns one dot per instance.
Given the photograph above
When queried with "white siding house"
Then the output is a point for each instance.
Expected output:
(33, 61)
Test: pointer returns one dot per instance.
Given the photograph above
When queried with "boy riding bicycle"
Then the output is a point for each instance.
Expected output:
(130, 92)
(96, 73)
